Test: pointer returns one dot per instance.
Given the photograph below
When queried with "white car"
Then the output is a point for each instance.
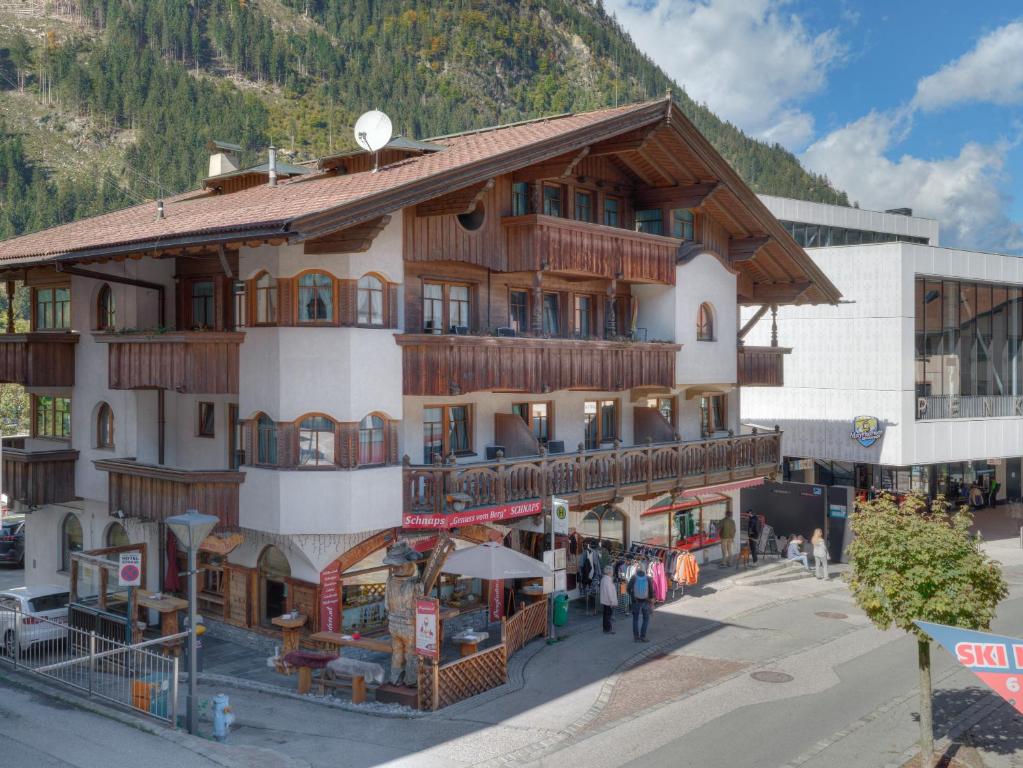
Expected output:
(43, 612)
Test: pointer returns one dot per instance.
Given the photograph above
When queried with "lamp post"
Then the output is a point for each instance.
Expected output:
(190, 529)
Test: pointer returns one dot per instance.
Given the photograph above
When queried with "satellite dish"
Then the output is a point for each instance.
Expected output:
(373, 130)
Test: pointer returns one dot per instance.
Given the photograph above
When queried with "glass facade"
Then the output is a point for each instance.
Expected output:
(823, 235)
(968, 357)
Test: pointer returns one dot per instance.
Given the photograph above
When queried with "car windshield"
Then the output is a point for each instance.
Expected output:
(49, 602)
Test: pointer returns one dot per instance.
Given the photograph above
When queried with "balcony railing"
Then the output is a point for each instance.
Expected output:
(152, 492)
(762, 366)
(564, 245)
(591, 477)
(449, 364)
(38, 476)
(192, 362)
(968, 406)
(45, 359)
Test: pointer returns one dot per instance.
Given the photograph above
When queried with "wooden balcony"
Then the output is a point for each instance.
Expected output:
(593, 477)
(192, 362)
(579, 247)
(38, 359)
(153, 493)
(36, 477)
(449, 364)
(762, 366)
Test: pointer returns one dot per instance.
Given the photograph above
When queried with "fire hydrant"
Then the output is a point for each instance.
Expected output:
(223, 717)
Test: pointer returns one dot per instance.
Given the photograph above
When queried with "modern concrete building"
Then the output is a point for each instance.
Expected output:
(915, 381)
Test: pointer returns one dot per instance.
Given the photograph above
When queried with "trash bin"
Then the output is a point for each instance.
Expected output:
(560, 610)
(150, 694)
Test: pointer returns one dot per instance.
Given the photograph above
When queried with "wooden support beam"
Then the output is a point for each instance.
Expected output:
(560, 167)
(688, 196)
(629, 142)
(745, 248)
(779, 293)
(457, 202)
(357, 239)
(753, 321)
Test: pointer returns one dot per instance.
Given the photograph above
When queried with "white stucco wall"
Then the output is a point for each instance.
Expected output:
(858, 359)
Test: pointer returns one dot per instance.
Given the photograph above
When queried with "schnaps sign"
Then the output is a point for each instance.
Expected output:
(995, 659)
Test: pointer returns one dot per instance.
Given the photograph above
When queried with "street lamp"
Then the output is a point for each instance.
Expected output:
(190, 529)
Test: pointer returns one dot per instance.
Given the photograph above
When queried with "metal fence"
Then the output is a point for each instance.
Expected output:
(136, 676)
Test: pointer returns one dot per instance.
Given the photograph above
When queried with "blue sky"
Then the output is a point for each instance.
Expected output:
(905, 103)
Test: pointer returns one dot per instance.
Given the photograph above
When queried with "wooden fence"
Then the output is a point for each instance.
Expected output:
(528, 623)
(443, 685)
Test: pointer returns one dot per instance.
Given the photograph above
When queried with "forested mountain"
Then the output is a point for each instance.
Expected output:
(104, 102)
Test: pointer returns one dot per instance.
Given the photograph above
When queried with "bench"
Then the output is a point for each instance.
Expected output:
(306, 662)
(351, 673)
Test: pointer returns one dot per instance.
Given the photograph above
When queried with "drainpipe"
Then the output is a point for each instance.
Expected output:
(10, 306)
(161, 426)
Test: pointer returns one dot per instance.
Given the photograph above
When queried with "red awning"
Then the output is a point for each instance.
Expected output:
(724, 487)
(684, 503)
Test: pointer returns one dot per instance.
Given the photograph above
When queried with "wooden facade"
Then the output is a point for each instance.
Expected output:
(191, 362)
(43, 359)
(452, 365)
(587, 478)
(762, 366)
(153, 493)
(35, 477)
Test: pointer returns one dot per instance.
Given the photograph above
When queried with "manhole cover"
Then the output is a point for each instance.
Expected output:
(772, 677)
(831, 615)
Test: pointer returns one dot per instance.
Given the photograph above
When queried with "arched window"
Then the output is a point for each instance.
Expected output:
(104, 426)
(315, 298)
(372, 441)
(266, 441)
(70, 540)
(371, 301)
(106, 315)
(316, 442)
(116, 536)
(705, 323)
(266, 300)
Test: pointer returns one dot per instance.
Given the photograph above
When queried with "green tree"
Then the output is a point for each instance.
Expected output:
(913, 562)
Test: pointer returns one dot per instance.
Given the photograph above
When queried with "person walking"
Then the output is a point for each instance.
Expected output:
(640, 590)
(820, 554)
(727, 533)
(608, 599)
(753, 534)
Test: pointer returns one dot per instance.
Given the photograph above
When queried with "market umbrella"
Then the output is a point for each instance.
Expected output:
(492, 561)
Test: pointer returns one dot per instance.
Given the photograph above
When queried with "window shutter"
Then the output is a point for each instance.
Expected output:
(392, 441)
(287, 444)
(391, 305)
(285, 301)
(249, 441)
(348, 450)
(348, 290)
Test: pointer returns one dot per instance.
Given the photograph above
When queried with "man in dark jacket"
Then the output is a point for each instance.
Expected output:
(641, 591)
(753, 532)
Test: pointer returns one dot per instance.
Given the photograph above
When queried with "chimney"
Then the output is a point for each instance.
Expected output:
(272, 166)
(159, 209)
(223, 157)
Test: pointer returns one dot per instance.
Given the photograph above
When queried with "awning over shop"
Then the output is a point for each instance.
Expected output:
(683, 503)
(724, 487)
(493, 561)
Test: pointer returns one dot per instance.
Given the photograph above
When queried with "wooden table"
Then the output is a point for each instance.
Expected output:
(337, 640)
(467, 646)
(289, 631)
(168, 607)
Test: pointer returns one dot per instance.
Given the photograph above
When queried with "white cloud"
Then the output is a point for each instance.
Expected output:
(991, 72)
(962, 192)
(750, 62)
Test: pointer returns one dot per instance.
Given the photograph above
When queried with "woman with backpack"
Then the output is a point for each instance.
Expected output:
(640, 593)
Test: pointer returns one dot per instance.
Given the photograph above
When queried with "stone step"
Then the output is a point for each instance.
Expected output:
(776, 573)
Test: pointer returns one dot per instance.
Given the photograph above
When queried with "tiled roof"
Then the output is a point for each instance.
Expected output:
(263, 209)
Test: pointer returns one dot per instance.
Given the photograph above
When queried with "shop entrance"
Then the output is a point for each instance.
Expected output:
(1013, 485)
(274, 571)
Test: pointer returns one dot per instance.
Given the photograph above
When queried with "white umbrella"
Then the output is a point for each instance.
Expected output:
(493, 561)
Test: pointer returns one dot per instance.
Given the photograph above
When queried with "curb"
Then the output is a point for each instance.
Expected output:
(220, 754)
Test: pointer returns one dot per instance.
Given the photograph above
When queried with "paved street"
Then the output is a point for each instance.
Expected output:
(845, 696)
